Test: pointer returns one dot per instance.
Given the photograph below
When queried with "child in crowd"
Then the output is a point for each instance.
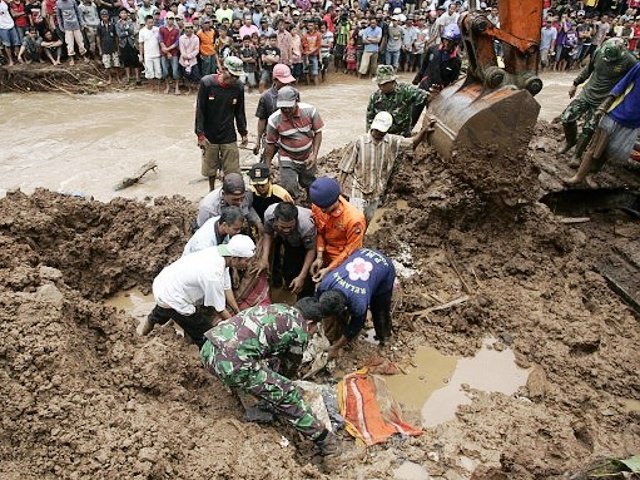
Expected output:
(296, 53)
(270, 55)
(30, 48)
(249, 57)
(108, 45)
(52, 47)
(350, 57)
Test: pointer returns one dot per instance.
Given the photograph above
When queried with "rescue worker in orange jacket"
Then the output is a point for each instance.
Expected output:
(340, 226)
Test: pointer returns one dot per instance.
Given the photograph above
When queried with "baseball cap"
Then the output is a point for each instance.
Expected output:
(287, 97)
(240, 246)
(170, 15)
(233, 183)
(283, 73)
(234, 65)
(396, 11)
(259, 174)
(103, 12)
(324, 192)
(382, 122)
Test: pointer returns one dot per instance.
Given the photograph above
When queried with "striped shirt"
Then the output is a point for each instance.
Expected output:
(293, 135)
(369, 164)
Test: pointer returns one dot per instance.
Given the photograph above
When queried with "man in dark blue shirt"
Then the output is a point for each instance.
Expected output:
(363, 281)
(618, 130)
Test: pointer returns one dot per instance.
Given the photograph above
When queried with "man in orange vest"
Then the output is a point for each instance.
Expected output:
(340, 226)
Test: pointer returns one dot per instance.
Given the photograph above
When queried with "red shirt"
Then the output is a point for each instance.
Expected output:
(311, 43)
(22, 21)
(633, 43)
(329, 21)
(170, 38)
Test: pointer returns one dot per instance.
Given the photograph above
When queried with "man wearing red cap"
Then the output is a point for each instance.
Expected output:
(267, 103)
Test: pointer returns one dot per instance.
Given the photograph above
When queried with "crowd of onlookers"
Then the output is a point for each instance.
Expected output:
(179, 41)
(570, 36)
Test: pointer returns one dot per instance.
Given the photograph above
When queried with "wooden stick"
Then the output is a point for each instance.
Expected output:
(444, 306)
(128, 181)
(465, 286)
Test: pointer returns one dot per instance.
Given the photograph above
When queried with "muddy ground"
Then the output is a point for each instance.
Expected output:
(83, 396)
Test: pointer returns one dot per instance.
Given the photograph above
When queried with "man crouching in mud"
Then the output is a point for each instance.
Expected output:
(243, 351)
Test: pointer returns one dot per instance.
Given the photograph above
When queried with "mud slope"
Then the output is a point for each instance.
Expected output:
(82, 396)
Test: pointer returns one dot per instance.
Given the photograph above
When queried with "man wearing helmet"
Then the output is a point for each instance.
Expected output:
(441, 63)
(607, 66)
(220, 102)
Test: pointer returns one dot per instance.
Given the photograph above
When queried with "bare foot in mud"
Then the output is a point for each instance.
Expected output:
(71, 62)
(166, 89)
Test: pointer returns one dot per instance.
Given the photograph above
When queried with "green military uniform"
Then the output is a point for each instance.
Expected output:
(603, 74)
(238, 351)
(404, 103)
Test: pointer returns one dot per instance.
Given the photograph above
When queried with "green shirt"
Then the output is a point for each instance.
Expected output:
(399, 103)
(602, 76)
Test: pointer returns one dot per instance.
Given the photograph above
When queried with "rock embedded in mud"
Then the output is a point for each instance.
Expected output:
(537, 383)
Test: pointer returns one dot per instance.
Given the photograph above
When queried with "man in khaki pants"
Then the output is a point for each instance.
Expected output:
(220, 103)
(70, 21)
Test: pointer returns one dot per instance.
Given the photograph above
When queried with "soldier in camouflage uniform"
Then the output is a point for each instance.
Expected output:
(607, 66)
(240, 351)
(403, 101)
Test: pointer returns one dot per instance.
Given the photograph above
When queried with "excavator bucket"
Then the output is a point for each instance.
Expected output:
(485, 121)
(469, 121)
(484, 133)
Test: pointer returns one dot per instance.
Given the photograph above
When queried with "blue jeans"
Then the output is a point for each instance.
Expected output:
(392, 58)
(10, 37)
(170, 64)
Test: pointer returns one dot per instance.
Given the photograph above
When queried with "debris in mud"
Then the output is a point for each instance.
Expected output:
(82, 396)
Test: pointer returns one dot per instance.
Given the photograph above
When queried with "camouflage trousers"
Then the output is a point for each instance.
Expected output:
(577, 109)
(262, 382)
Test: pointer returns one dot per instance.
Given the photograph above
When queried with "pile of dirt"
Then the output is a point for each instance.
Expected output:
(82, 395)
(533, 285)
(83, 78)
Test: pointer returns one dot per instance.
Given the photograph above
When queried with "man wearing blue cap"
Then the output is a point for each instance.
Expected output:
(340, 226)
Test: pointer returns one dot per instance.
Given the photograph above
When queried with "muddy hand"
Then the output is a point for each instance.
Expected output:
(296, 285)
(244, 140)
(572, 91)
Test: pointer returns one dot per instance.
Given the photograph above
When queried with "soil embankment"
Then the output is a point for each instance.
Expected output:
(83, 396)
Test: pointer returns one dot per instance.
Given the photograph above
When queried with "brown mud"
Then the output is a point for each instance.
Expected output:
(82, 396)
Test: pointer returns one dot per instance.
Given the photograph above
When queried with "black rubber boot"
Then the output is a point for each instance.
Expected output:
(570, 137)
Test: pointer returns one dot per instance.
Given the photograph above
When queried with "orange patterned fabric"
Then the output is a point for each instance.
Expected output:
(370, 414)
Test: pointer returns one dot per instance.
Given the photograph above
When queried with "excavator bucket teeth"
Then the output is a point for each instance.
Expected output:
(484, 134)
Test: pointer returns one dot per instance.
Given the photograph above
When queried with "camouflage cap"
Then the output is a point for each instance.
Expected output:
(612, 49)
(234, 65)
(385, 74)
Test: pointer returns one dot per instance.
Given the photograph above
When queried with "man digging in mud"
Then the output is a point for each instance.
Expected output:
(243, 351)
(364, 281)
(608, 65)
(232, 193)
(366, 166)
(184, 289)
(340, 226)
(618, 130)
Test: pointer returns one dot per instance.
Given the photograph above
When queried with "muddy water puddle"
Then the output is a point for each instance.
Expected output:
(434, 385)
(376, 221)
(133, 302)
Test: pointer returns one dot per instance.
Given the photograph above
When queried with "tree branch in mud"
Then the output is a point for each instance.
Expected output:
(128, 181)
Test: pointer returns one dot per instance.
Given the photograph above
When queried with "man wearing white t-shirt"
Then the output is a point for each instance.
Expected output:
(149, 40)
(184, 289)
